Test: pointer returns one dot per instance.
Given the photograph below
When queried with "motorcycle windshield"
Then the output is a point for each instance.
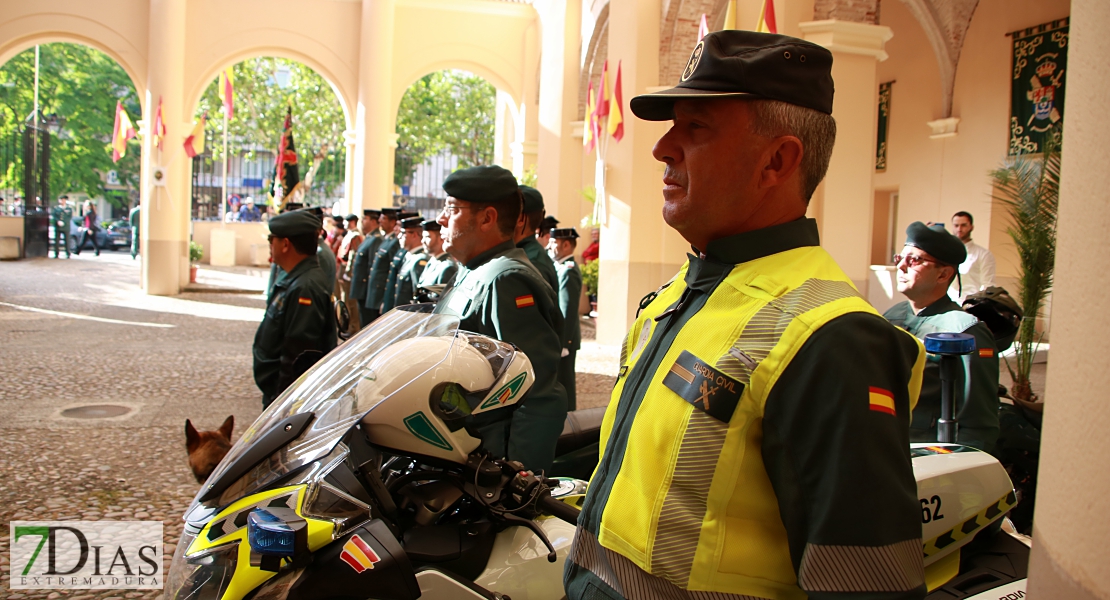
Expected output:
(328, 391)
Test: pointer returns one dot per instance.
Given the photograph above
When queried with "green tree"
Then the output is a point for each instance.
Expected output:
(264, 87)
(446, 110)
(81, 85)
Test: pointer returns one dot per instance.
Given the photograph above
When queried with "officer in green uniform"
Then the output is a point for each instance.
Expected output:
(397, 263)
(525, 235)
(275, 271)
(563, 242)
(299, 326)
(62, 217)
(383, 260)
(756, 442)
(441, 267)
(360, 266)
(926, 268)
(413, 261)
(133, 217)
(499, 293)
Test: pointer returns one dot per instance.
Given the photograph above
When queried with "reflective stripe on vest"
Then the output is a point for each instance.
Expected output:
(691, 502)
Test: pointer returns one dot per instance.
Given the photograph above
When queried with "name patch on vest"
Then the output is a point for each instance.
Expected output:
(698, 383)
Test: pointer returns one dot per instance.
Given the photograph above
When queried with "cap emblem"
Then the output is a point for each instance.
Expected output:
(695, 58)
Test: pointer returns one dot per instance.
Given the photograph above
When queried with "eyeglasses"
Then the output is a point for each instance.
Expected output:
(911, 260)
(450, 209)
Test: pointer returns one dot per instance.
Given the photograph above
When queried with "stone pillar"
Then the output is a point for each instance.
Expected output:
(165, 208)
(559, 151)
(373, 173)
(638, 251)
(1070, 554)
(354, 200)
(843, 204)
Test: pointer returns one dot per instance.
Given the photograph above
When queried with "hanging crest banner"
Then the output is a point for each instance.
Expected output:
(1040, 62)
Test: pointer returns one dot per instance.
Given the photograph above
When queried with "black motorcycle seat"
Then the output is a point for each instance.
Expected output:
(582, 428)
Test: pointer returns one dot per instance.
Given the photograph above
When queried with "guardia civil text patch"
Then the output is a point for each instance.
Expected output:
(697, 382)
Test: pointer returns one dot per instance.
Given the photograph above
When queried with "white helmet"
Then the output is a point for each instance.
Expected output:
(422, 393)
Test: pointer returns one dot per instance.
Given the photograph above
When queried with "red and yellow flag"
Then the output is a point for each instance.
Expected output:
(227, 91)
(194, 144)
(767, 18)
(589, 137)
(616, 113)
(603, 93)
(359, 555)
(881, 400)
(122, 131)
(159, 130)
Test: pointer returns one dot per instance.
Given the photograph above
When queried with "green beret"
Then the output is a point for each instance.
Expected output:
(533, 199)
(486, 184)
(294, 223)
(935, 240)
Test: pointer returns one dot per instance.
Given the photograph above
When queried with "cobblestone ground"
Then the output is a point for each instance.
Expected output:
(80, 332)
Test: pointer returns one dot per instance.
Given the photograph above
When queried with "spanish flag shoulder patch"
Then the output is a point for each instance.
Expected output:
(525, 301)
(986, 353)
(305, 301)
(881, 400)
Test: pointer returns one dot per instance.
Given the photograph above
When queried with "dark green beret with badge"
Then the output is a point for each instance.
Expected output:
(533, 199)
(935, 240)
(747, 64)
(294, 223)
(485, 184)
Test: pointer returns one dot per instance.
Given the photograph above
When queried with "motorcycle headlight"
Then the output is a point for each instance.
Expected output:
(203, 576)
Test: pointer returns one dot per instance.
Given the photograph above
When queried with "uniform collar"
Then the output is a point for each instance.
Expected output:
(528, 241)
(750, 245)
(304, 265)
(942, 305)
(490, 254)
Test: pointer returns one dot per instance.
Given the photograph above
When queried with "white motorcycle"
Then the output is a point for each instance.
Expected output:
(367, 479)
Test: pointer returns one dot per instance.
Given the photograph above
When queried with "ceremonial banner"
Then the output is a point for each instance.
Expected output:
(1037, 90)
(884, 124)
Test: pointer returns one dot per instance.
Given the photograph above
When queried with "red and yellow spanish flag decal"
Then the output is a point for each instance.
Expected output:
(359, 555)
(986, 353)
(305, 301)
(525, 301)
(881, 400)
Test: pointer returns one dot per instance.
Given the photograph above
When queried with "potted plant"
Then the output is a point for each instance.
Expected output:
(1029, 188)
(196, 252)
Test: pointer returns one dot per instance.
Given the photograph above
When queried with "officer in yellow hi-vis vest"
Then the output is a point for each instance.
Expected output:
(757, 440)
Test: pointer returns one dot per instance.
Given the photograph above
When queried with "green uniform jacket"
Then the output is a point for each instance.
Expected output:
(61, 217)
(324, 257)
(133, 217)
(502, 295)
(298, 329)
(379, 272)
(360, 269)
(540, 259)
(976, 383)
(411, 268)
(439, 270)
(395, 265)
(570, 290)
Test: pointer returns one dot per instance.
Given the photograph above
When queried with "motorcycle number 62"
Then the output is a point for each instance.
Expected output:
(930, 509)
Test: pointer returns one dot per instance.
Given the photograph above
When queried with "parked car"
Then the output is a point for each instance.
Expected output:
(111, 236)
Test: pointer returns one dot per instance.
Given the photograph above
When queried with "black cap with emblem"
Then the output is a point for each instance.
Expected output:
(936, 240)
(390, 212)
(739, 64)
(293, 223)
(564, 234)
(373, 214)
(411, 223)
(430, 226)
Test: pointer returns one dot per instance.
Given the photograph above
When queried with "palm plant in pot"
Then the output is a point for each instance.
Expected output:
(1029, 188)
(196, 252)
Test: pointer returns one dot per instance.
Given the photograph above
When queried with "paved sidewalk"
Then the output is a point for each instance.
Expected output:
(80, 332)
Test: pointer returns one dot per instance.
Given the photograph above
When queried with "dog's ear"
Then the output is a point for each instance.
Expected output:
(228, 427)
(192, 438)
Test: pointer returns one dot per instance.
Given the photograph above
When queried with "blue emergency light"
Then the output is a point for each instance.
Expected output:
(949, 343)
(270, 535)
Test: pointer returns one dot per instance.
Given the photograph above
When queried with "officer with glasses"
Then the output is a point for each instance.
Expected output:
(498, 292)
(926, 268)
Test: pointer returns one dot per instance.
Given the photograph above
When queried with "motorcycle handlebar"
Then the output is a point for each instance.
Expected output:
(558, 508)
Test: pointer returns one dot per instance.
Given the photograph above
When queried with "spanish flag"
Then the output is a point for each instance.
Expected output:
(227, 91)
(122, 131)
(881, 400)
(159, 129)
(616, 113)
(767, 18)
(602, 107)
(359, 555)
(589, 137)
(194, 144)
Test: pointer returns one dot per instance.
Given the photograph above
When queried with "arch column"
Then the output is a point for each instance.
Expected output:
(1070, 556)
(559, 169)
(842, 204)
(165, 208)
(375, 140)
(639, 252)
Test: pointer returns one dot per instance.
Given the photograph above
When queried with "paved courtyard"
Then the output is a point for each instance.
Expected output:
(79, 332)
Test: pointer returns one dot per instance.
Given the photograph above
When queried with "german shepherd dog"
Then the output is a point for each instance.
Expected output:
(207, 448)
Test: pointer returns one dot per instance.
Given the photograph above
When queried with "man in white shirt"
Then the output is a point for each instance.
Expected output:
(977, 272)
